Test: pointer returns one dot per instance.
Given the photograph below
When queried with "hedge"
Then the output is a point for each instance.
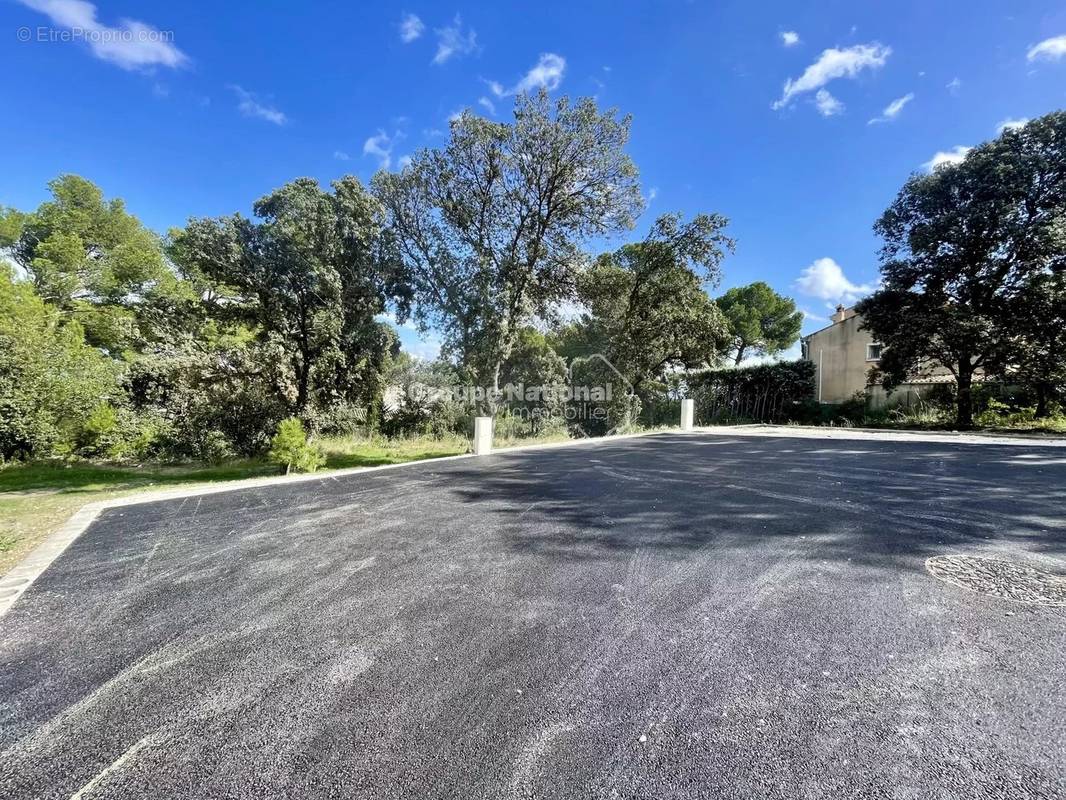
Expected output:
(776, 392)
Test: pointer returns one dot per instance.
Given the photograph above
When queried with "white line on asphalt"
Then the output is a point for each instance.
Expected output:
(84, 791)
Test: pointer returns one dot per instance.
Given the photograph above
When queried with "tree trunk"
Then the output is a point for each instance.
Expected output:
(740, 355)
(964, 398)
(1041, 401)
(302, 380)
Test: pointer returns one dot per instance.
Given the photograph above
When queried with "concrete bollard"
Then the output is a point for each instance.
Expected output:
(688, 414)
(482, 436)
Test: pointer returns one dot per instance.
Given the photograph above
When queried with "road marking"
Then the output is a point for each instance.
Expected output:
(84, 791)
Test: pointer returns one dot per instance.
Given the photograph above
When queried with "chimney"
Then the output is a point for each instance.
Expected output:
(841, 315)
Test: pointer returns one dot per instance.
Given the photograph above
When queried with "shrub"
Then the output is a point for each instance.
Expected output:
(99, 433)
(777, 392)
(50, 380)
(427, 415)
(207, 405)
(290, 449)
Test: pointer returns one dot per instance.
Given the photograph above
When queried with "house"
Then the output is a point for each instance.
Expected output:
(843, 355)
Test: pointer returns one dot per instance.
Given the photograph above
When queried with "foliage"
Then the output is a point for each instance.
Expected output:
(488, 227)
(212, 397)
(1038, 324)
(290, 449)
(589, 415)
(761, 322)
(537, 377)
(962, 249)
(422, 403)
(90, 258)
(50, 379)
(775, 392)
(308, 279)
(647, 304)
(511, 429)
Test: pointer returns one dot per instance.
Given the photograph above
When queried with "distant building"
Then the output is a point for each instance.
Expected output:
(843, 356)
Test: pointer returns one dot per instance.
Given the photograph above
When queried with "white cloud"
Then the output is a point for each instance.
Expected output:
(487, 104)
(893, 109)
(340, 155)
(249, 105)
(832, 64)
(653, 192)
(404, 162)
(453, 41)
(1011, 124)
(380, 146)
(946, 157)
(547, 73)
(411, 28)
(825, 280)
(789, 38)
(1048, 50)
(131, 45)
(828, 105)
(954, 85)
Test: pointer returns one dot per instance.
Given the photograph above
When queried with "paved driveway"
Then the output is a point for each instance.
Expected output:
(672, 616)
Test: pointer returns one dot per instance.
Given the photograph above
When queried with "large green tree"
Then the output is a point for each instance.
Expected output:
(309, 276)
(647, 300)
(489, 226)
(761, 322)
(962, 245)
(91, 259)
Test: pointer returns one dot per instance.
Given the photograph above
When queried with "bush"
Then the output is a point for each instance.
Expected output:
(207, 406)
(50, 380)
(778, 392)
(290, 449)
(100, 434)
(427, 414)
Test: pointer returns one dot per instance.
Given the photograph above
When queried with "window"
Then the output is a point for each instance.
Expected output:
(873, 351)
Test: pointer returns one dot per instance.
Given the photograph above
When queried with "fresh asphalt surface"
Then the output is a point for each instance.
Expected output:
(671, 616)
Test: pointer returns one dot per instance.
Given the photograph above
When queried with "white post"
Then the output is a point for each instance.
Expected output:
(482, 436)
(688, 412)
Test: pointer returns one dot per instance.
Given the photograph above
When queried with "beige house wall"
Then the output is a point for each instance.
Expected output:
(839, 356)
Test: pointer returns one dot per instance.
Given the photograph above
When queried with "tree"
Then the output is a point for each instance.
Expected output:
(50, 379)
(1039, 326)
(761, 322)
(647, 300)
(961, 246)
(310, 277)
(536, 375)
(488, 227)
(90, 258)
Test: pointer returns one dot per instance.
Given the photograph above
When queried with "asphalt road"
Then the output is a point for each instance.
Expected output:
(674, 616)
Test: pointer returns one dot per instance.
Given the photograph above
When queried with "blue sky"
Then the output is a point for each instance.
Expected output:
(761, 112)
